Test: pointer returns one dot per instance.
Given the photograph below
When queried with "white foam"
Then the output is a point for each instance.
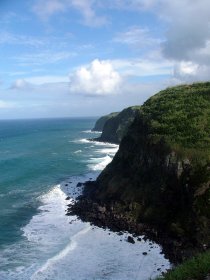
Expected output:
(97, 143)
(62, 247)
(109, 151)
(100, 255)
(101, 163)
(62, 254)
(78, 151)
(91, 131)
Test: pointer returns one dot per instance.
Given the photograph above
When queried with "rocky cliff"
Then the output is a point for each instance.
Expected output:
(99, 125)
(161, 174)
(162, 169)
(117, 126)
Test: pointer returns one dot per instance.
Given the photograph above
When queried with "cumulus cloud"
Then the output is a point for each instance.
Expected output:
(98, 78)
(187, 36)
(190, 72)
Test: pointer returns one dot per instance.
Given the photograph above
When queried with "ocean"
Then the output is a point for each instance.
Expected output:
(41, 162)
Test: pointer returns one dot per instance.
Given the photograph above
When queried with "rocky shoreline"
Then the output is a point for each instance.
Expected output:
(117, 216)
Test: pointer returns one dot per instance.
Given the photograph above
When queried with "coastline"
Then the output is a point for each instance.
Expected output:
(115, 216)
(108, 216)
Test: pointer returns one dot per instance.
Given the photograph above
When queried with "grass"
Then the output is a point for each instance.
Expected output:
(196, 268)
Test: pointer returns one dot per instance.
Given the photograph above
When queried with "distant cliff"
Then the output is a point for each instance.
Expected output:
(161, 173)
(117, 125)
(99, 125)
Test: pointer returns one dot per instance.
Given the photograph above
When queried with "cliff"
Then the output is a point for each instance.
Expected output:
(99, 125)
(117, 125)
(162, 168)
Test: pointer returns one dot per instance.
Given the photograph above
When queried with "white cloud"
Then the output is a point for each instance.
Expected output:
(39, 84)
(42, 58)
(143, 67)
(46, 9)
(11, 39)
(39, 80)
(86, 9)
(20, 84)
(138, 37)
(187, 71)
(98, 78)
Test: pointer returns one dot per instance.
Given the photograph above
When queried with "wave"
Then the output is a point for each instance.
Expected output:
(63, 247)
(108, 151)
(98, 143)
(91, 131)
(78, 151)
(101, 163)
(62, 254)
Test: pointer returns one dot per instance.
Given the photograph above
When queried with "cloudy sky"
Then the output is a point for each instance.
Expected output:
(63, 58)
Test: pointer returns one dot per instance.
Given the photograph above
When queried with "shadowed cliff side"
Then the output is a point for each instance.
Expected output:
(116, 126)
(99, 125)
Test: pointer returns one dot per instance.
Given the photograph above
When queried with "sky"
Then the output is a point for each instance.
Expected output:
(71, 58)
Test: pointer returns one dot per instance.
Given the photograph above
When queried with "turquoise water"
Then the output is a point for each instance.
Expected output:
(41, 162)
(34, 156)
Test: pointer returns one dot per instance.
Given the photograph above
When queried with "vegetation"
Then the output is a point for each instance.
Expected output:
(182, 115)
(196, 268)
(99, 125)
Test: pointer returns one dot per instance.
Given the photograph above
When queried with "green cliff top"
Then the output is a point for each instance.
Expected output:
(182, 115)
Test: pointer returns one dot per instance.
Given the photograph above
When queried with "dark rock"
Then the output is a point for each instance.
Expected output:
(67, 198)
(144, 253)
(130, 239)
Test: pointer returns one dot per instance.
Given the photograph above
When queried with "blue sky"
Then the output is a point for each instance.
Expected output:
(62, 58)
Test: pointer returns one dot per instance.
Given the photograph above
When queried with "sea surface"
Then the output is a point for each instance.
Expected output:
(41, 162)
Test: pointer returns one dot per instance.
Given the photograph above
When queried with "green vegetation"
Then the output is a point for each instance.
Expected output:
(196, 268)
(182, 115)
(99, 125)
(116, 127)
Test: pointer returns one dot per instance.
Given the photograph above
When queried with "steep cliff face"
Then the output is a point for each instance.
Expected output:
(117, 126)
(99, 125)
(162, 169)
